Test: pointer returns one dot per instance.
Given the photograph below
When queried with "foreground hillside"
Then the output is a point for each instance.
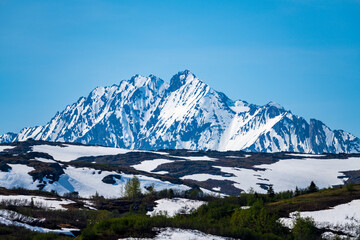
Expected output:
(64, 190)
(183, 215)
(86, 170)
(148, 113)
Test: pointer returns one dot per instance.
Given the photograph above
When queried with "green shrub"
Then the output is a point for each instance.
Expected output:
(88, 234)
(130, 225)
(350, 187)
(132, 188)
(48, 236)
(257, 218)
(312, 188)
(304, 229)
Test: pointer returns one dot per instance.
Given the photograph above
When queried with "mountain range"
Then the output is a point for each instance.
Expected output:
(148, 113)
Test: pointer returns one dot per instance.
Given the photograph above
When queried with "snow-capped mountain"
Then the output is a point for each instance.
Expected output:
(148, 113)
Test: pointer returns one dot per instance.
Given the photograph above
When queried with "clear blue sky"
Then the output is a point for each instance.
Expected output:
(302, 54)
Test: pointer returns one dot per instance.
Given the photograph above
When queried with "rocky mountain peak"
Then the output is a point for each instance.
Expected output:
(148, 113)
(274, 104)
(181, 78)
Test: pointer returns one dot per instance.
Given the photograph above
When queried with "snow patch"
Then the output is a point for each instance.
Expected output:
(18, 176)
(180, 234)
(172, 207)
(286, 174)
(14, 216)
(66, 231)
(2, 148)
(41, 202)
(45, 160)
(73, 152)
(343, 217)
(161, 172)
(199, 158)
(203, 177)
(305, 155)
(239, 107)
(150, 165)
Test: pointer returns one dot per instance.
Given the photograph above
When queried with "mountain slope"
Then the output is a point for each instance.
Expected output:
(86, 169)
(148, 113)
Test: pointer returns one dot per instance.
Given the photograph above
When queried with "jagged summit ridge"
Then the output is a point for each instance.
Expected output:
(181, 78)
(149, 113)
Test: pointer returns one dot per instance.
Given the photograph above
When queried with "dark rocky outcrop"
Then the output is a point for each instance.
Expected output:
(51, 171)
(110, 179)
(4, 167)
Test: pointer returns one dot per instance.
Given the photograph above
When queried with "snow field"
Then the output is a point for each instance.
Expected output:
(73, 152)
(286, 174)
(18, 177)
(85, 181)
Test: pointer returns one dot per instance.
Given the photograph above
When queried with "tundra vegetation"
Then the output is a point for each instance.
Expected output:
(247, 216)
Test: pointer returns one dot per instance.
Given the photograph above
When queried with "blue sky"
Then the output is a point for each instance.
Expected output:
(302, 54)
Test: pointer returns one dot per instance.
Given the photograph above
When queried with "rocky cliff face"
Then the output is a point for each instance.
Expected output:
(148, 113)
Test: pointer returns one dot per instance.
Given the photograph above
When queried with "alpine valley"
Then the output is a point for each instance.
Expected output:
(147, 113)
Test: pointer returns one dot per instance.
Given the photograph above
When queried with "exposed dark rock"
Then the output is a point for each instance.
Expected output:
(226, 186)
(4, 167)
(110, 179)
(264, 185)
(127, 159)
(33, 155)
(354, 176)
(41, 186)
(51, 171)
